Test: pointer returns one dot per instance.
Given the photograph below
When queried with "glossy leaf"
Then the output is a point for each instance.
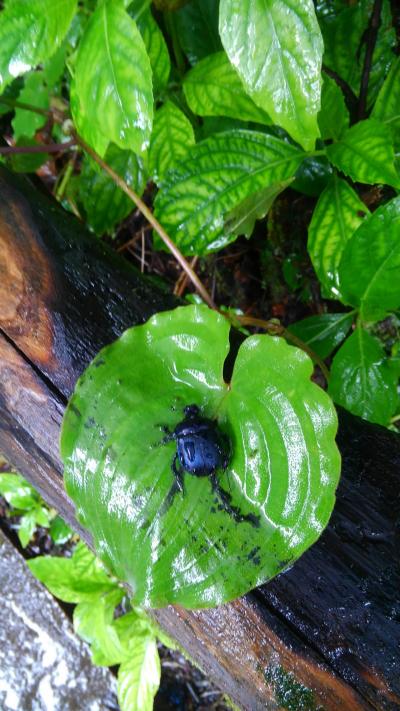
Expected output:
(59, 531)
(213, 88)
(323, 333)
(172, 136)
(111, 93)
(105, 204)
(365, 153)
(35, 93)
(337, 215)
(333, 118)
(241, 220)
(157, 50)
(197, 29)
(215, 177)
(30, 32)
(387, 105)
(370, 264)
(27, 528)
(81, 578)
(139, 675)
(361, 380)
(276, 47)
(187, 548)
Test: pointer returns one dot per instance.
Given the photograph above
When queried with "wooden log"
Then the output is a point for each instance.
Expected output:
(324, 634)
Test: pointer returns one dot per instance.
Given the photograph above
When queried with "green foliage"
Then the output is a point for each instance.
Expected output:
(361, 379)
(104, 203)
(387, 106)
(323, 333)
(276, 47)
(128, 640)
(25, 502)
(213, 88)
(365, 153)
(284, 429)
(333, 118)
(172, 136)
(112, 97)
(338, 213)
(30, 33)
(35, 92)
(215, 177)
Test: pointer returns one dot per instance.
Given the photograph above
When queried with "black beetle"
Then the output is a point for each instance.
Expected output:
(202, 449)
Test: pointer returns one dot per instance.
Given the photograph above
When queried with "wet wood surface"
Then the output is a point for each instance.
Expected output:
(325, 634)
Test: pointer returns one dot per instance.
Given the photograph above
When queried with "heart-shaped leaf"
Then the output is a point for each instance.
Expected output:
(209, 543)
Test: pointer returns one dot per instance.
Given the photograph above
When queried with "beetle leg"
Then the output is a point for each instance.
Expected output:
(225, 499)
(176, 487)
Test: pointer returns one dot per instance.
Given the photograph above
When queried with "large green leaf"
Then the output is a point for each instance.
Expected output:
(333, 118)
(105, 204)
(215, 177)
(111, 93)
(35, 93)
(387, 105)
(370, 266)
(361, 379)
(139, 675)
(197, 29)
(323, 333)
(187, 548)
(337, 215)
(213, 88)
(276, 47)
(365, 153)
(172, 136)
(29, 33)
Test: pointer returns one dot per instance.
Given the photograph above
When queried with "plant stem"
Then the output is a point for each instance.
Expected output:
(151, 219)
(278, 330)
(44, 148)
(27, 107)
(372, 36)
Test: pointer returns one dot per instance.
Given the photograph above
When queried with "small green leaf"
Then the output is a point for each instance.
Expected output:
(370, 264)
(59, 531)
(361, 380)
(111, 93)
(105, 204)
(365, 153)
(139, 675)
(337, 215)
(185, 547)
(214, 178)
(213, 88)
(323, 333)
(30, 32)
(35, 93)
(276, 47)
(17, 491)
(387, 105)
(81, 578)
(93, 622)
(27, 527)
(42, 515)
(172, 136)
(333, 118)
(241, 220)
(197, 29)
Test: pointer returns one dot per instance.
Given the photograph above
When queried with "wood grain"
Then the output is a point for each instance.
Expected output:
(324, 634)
